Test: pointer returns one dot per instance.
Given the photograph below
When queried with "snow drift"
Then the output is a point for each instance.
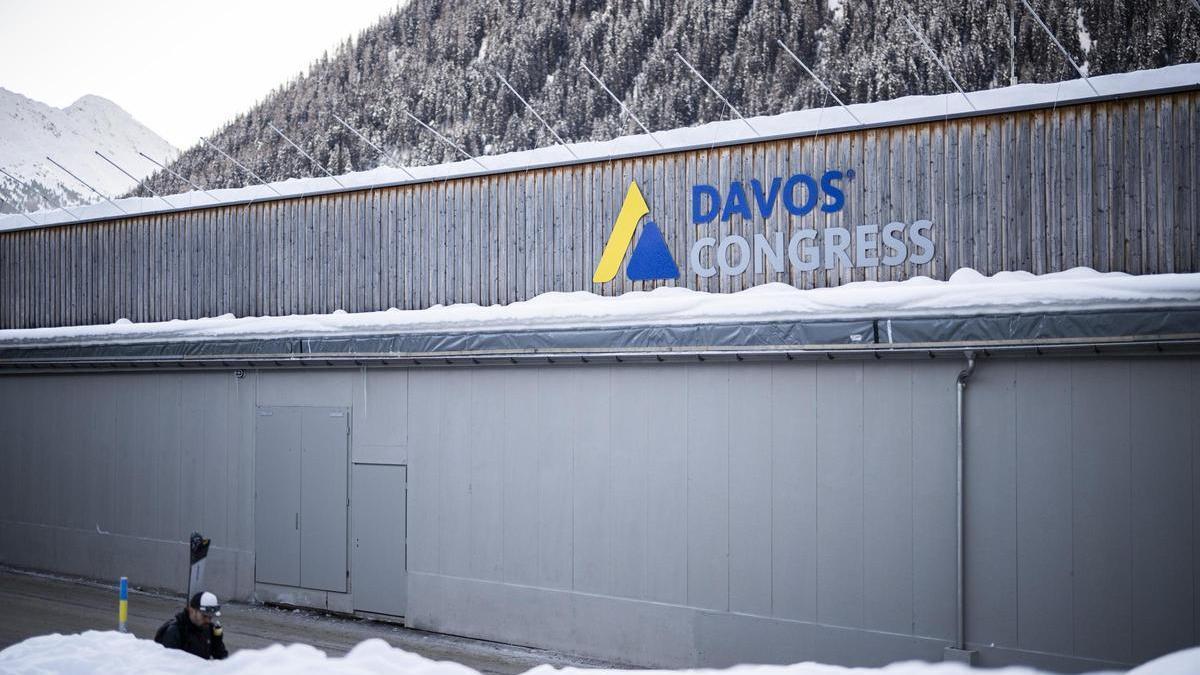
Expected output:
(966, 293)
(103, 652)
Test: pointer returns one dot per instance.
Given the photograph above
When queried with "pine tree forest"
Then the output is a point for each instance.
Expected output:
(439, 60)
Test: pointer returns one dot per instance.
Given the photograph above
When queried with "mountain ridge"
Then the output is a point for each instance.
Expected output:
(31, 130)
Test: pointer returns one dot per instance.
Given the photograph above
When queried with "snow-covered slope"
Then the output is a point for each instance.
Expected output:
(29, 131)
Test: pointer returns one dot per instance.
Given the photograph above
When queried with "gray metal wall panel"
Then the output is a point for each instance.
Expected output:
(1195, 445)
(424, 467)
(590, 394)
(453, 447)
(749, 475)
(379, 432)
(555, 439)
(990, 472)
(1161, 480)
(840, 527)
(1102, 501)
(708, 487)
(487, 463)
(1108, 185)
(1043, 518)
(793, 401)
(629, 421)
(933, 511)
(104, 481)
(519, 455)
(665, 453)
(888, 498)
(1058, 443)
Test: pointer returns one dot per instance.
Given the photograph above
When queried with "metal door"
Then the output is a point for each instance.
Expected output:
(380, 580)
(277, 496)
(323, 502)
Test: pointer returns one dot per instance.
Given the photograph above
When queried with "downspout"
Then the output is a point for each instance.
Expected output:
(959, 652)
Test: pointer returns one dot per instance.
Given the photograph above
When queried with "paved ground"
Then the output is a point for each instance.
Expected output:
(32, 604)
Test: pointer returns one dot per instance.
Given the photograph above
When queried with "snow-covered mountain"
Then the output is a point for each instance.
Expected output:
(30, 131)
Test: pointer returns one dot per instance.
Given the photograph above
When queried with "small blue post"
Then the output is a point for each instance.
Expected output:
(123, 607)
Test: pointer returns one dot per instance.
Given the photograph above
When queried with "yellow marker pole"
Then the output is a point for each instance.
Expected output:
(123, 607)
(632, 210)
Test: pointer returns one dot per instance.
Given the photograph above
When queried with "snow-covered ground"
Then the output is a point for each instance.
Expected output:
(105, 652)
(790, 124)
(967, 292)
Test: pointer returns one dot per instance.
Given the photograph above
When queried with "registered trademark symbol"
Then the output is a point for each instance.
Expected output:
(850, 174)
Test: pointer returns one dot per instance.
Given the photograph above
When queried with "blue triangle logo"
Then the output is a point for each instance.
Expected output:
(651, 259)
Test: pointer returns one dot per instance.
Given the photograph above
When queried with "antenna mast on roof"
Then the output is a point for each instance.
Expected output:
(535, 114)
(131, 177)
(714, 90)
(164, 168)
(1059, 45)
(102, 196)
(938, 60)
(241, 166)
(306, 155)
(30, 188)
(378, 149)
(819, 81)
(26, 215)
(624, 109)
(445, 140)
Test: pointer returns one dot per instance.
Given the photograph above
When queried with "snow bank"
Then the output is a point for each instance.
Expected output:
(966, 293)
(104, 652)
(790, 124)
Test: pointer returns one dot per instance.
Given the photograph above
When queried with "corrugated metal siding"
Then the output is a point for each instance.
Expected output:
(1107, 185)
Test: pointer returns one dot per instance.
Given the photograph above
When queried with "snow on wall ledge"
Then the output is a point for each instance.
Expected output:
(102, 652)
(966, 293)
(814, 120)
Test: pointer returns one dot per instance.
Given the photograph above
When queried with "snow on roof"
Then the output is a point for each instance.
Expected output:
(904, 110)
(966, 293)
(97, 652)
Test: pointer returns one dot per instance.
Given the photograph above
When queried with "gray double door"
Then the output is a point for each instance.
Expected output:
(302, 511)
(300, 504)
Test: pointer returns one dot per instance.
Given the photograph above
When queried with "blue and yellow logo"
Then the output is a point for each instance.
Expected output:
(650, 259)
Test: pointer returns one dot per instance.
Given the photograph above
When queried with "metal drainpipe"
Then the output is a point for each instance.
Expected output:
(962, 386)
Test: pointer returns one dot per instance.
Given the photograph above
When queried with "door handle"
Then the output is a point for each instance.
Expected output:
(297, 520)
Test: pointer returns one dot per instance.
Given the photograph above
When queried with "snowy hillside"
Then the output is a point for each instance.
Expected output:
(29, 131)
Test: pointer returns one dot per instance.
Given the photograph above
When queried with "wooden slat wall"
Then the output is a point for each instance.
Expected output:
(1108, 185)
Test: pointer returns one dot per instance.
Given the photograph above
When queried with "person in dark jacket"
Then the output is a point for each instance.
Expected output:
(197, 629)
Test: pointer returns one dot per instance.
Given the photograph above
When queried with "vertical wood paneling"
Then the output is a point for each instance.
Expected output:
(1110, 185)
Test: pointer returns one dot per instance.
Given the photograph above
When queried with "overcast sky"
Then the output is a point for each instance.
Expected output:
(181, 69)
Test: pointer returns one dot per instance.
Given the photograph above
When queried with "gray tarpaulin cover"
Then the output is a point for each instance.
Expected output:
(1026, 328)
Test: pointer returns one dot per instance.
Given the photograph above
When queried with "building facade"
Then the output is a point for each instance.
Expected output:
(666, 496)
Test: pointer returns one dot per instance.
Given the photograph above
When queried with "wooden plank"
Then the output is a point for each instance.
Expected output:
(995, 196)
(1054, 191)
(1133, 186)
(1165, 151)
(1085, 247)
(1069, 197)
(1148, 137)
(1039, 194)
(965, 223)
